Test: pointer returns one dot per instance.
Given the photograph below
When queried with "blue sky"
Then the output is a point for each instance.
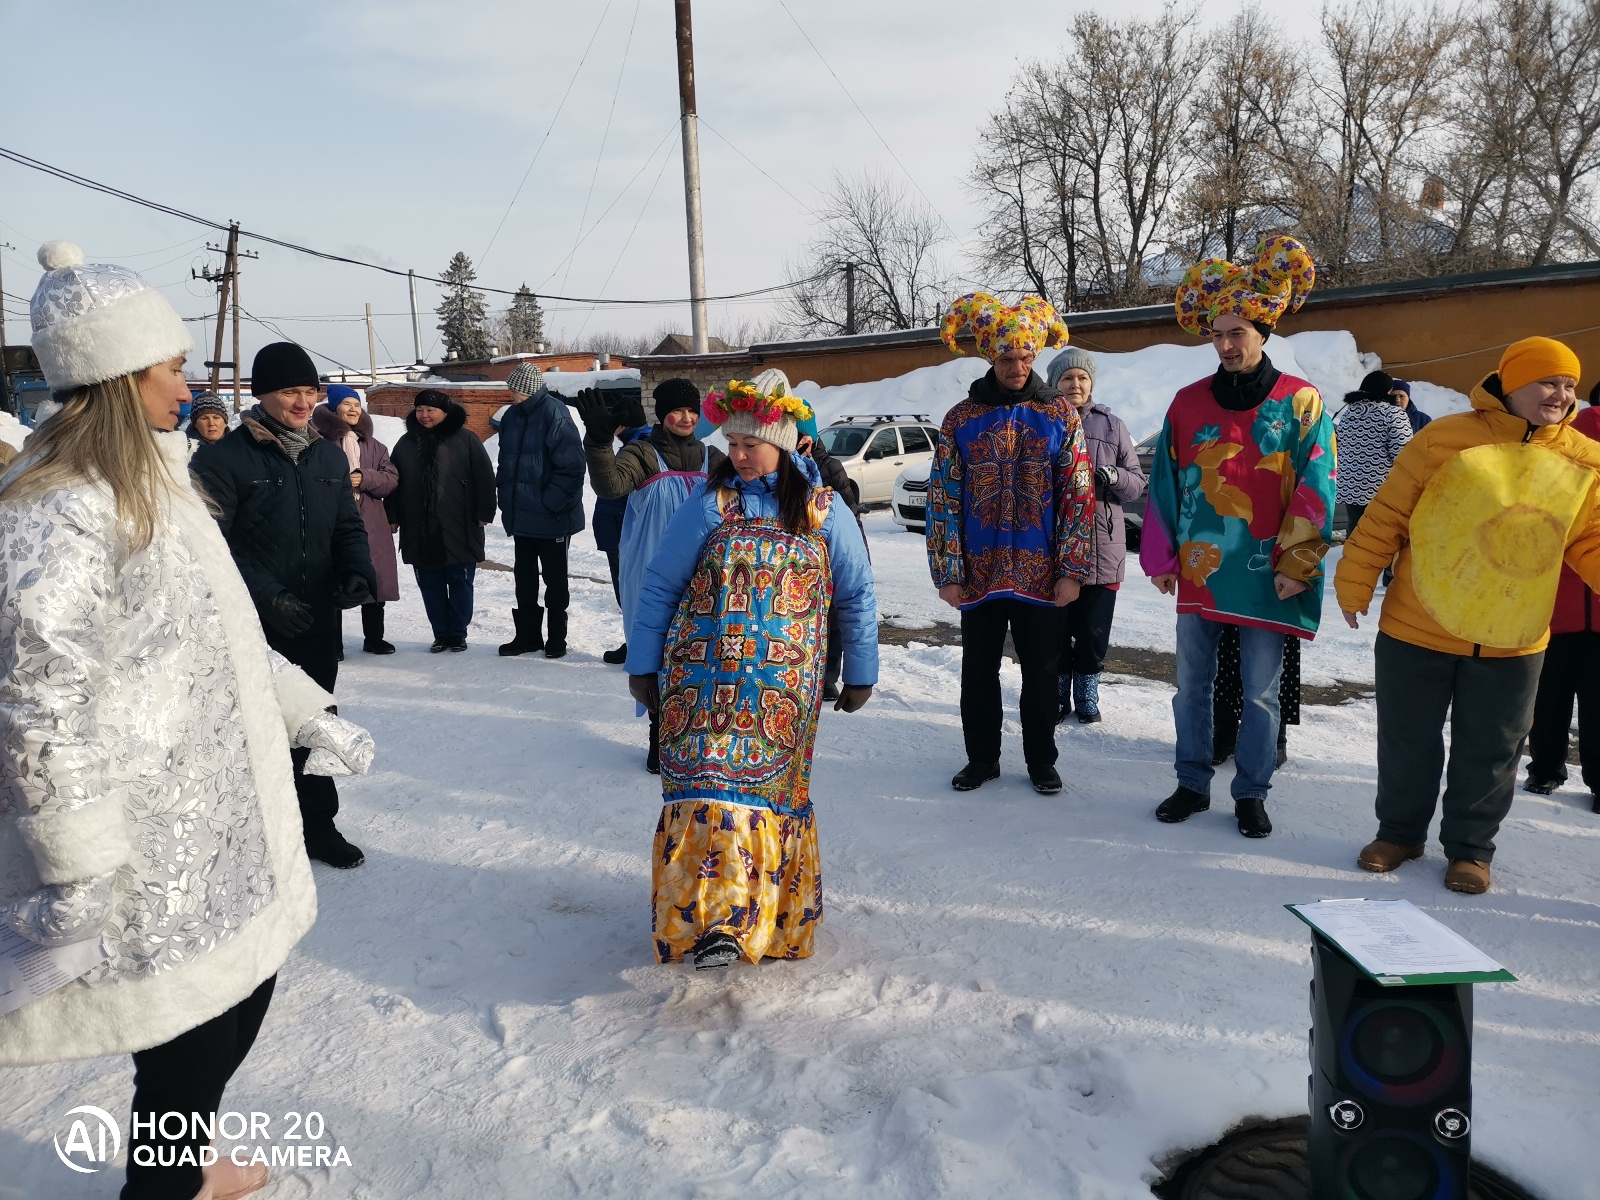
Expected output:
(398, 131)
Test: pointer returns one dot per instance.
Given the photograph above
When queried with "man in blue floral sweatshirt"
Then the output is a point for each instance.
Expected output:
(1010, 529)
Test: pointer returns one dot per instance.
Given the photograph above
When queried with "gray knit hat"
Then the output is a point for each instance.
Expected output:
(527, 379)
(1070, 358)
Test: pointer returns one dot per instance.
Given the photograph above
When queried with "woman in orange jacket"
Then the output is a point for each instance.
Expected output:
(1482, 509)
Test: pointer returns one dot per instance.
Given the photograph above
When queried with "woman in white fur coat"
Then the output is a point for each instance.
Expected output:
(146, 793)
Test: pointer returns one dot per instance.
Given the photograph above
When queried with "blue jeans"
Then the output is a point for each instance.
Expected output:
(1260, 663)
(447, 595)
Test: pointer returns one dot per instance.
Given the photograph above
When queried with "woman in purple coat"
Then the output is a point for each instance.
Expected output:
(1118, 479)
(344, 422)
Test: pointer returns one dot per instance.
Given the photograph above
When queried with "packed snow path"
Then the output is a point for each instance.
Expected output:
(1012, 996)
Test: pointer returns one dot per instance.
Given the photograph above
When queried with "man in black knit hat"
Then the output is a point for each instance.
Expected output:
(290, 520)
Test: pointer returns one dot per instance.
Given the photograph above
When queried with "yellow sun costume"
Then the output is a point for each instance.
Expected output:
(1482, 509)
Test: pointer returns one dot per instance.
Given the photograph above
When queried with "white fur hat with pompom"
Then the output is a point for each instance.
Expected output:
(96, 321)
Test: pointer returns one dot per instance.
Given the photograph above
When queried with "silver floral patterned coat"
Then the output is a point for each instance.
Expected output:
(144, 738)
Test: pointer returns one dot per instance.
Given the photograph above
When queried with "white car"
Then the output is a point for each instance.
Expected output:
(909, 508)
(874, 449)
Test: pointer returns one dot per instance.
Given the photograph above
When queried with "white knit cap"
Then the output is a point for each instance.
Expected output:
(784, 433)
(95, 321)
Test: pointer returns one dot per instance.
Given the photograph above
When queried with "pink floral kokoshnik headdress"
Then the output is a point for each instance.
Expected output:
(1276, 284)
(762, 407)
(999, 328)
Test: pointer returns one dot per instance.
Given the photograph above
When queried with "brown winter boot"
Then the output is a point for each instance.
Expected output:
(1467, 875)
(1382, 856)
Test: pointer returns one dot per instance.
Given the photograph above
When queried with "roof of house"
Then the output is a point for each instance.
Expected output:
(683, 343)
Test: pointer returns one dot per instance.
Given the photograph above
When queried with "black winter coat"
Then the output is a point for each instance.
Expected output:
(541, 469)
(449, 528)
(292, 526)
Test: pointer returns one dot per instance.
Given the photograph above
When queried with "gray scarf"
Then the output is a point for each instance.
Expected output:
(293, 441)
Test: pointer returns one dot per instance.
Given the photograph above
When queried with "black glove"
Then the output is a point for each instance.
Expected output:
(852, 696)
(290, 615)
(646, 689)
(597, 417)
(353, 592)
(1106, 476)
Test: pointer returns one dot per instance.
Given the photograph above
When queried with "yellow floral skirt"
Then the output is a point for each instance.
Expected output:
(749, 872)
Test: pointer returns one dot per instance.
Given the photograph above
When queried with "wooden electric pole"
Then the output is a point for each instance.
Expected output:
(849, 297)
(223, 280)
(5, 379)
(691, 177)
(372, 351)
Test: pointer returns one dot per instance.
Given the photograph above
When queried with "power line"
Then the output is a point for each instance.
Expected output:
(628, 240)
(600, 220)
(548, 131)
(778, 183)
(784, 5)
(605, 136)
(82, 181)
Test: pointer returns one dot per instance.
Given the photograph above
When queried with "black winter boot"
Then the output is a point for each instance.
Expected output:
(528, 637)
(1046, 780)
(652, 758)
(329, 845)
(372, 630)
(714, 950)
(974, 775)
(1182, 805)
(556, 646)
(1251, 813)
(616, 657)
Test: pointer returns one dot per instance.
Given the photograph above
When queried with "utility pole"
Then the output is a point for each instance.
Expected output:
(691, 177)
(416, 325)
(849, 297)
(233, 236)
(372, 353)
(224, 280)
(5, 378)
(227, 281)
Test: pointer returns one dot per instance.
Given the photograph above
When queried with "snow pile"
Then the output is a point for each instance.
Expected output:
(1137, 386)
(1438, 401)
(388, 430)
(12, 431)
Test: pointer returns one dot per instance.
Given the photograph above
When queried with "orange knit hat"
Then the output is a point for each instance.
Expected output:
(1536, 358)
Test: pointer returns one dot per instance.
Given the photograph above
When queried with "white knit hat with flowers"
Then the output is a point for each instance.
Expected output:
(96, 321)
(764, 408)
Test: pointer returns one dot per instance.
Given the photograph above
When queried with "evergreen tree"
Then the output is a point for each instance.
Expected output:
(463, 317)
(525, 321)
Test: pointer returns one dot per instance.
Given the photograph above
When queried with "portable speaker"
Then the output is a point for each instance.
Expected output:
(1391, 1085)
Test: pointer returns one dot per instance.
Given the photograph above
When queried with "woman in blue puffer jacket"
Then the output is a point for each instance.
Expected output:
(727, 645)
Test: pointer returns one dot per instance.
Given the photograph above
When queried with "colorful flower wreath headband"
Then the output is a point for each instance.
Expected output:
(767, 408)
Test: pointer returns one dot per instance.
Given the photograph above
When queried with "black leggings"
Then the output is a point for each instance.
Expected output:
(186, 1075)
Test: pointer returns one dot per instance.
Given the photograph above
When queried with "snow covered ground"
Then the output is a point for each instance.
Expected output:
(1012, 995)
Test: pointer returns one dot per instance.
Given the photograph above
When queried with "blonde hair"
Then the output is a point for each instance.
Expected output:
(101, 435)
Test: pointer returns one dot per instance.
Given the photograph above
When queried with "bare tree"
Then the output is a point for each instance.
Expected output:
(893, 245)
(1237, 186)
(1369, 133)
(1034, 182)
(1080, 167)
(1556, 55)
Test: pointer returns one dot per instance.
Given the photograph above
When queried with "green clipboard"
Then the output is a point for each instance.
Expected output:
(1396, 944)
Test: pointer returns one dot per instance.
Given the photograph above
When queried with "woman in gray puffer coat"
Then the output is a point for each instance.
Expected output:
(1118, 479)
